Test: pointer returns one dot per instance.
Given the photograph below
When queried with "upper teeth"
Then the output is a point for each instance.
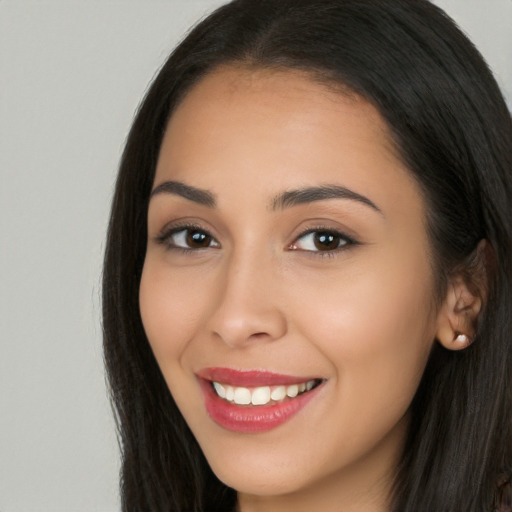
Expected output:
(260, 395)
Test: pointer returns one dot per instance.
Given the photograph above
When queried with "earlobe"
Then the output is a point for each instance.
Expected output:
(457, 320)
(458, 317)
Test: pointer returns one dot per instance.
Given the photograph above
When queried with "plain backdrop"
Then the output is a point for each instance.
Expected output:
(71, 76)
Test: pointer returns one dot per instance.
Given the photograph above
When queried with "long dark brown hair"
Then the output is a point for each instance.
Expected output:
(452, 128)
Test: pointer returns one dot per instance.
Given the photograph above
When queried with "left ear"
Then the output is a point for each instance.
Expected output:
(457, 320)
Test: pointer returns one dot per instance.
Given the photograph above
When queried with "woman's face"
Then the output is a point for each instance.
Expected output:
(287, 250)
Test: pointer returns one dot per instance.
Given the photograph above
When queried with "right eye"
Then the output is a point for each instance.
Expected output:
(188, 238)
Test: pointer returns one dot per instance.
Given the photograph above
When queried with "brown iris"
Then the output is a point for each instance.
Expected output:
(198, 239)
(325, 241)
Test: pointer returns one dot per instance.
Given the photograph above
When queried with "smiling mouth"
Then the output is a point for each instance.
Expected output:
(255, 401)
(262, 395)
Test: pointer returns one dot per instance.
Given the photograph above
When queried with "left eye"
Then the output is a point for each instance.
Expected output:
(321, 241)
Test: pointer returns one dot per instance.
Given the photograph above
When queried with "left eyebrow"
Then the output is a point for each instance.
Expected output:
(321, 193)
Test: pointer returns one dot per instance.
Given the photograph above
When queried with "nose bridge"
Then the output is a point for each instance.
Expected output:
(247, 305)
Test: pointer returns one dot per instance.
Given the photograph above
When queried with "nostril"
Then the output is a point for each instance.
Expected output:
(259, 335)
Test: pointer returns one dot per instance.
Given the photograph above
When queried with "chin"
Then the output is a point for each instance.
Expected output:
(258, 481)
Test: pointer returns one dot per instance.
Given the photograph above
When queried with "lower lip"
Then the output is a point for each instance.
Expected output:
(251, 419)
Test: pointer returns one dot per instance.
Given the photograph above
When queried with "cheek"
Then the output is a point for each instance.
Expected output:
(170, 304)
(376, 327)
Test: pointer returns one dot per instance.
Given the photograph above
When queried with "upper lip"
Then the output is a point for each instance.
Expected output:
(250, 378)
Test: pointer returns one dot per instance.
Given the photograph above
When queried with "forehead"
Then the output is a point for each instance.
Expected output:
(273, 130)
(292, 99)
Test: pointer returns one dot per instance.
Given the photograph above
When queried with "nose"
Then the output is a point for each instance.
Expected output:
(246, 306)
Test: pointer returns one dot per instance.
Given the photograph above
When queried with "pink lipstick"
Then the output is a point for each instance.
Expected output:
(254, 401)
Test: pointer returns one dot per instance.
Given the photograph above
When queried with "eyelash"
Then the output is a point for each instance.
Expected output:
(345, 241)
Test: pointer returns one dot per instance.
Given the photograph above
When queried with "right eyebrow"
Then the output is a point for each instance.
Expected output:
(197, 195)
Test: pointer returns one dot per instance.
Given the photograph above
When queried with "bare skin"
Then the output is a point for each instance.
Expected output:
(338, 287)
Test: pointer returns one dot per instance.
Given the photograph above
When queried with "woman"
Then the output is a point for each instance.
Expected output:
(308, 271)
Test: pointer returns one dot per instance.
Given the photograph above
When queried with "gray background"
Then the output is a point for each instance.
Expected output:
(71, 75)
